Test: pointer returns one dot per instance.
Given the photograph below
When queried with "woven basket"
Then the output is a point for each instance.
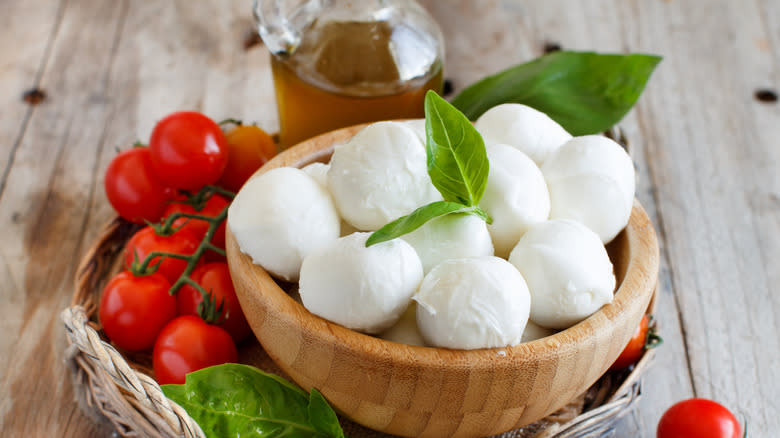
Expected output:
(115, 387)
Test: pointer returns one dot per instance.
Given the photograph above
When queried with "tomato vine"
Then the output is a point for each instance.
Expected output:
(209, 309)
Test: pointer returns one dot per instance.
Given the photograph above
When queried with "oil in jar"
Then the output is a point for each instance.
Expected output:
(349, 72)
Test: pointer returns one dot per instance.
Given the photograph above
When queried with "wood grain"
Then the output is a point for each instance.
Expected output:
(707, 183)
(25, 49)
(705, 150)
(42, 222)
(432, 392)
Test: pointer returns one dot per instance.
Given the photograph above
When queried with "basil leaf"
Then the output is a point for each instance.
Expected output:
(457, 161)
(584, 92)
(407, 224)
(239, 400)
(322, 416)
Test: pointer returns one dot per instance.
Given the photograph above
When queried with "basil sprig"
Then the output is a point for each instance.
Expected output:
(457, 161)
(407, 224)
(584, 92)
(457, 164)
(240, 400)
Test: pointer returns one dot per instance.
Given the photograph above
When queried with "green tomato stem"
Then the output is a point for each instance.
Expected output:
(193, 259)
(208, 309)
(167, 228)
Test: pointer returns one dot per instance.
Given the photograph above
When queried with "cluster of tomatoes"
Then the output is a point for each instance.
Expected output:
(180, 301)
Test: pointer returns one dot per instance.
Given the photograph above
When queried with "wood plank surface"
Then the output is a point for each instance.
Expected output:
(21, 70)
(25, 51)
(710, 159)
(50, 178)
(705, 149)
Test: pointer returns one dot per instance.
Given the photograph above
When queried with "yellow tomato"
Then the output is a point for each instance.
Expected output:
(249, 147)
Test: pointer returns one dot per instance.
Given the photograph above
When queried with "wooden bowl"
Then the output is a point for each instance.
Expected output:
(434, 392)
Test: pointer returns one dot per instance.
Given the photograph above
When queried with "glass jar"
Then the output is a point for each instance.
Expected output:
(337, 63)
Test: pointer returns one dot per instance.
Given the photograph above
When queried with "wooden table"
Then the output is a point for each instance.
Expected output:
(706, 149)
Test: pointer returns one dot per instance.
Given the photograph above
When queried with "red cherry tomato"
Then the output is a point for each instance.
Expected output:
(249, 147)
(146, 241)
(134, 189)
(213, 208)
(188, 150)
(215, 278)
(698, 418)
(188, 344)
(133, 309)
(635, 347)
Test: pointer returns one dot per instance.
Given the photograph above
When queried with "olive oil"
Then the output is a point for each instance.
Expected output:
(344, 73)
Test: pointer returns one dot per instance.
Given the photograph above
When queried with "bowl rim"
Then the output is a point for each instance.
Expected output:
(638, 284)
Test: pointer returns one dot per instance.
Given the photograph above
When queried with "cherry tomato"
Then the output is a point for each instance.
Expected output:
(213, 208)
(188, 150)
(146, 241)
(188, 344)
(134, 189)
(215, 278)
(635, 347)
(249, 148)
(698, 418)
(133, 309)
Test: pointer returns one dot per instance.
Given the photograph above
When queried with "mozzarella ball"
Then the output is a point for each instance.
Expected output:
(418, 126)
(405, 331)
(451, 236)
(591, 180)
(534, 331)
(479, 302)
(515, 196)
(318, 171)
(520, 126)
(568, 272)
(279, 217)
(380, 175)
(364, 289)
